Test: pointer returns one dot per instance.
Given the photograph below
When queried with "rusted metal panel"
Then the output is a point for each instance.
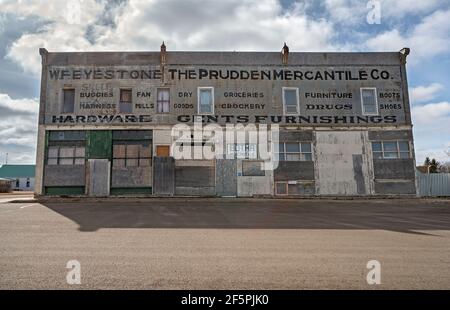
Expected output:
(290, 135)
(252, 168)
(394, 168)
(131, 177)
(99, 177)
(294, 170)
(61, 175)
(386, 135)
(226, 174)
(195, 191)
(395, 187)
(301, 189)
(359, 174)
(164, 176)
(194, 176)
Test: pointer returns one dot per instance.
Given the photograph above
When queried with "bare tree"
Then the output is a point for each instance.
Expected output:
(432, 165)
(445, 167)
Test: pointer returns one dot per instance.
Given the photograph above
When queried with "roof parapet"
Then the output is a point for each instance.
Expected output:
(404, 52)
(44, 55)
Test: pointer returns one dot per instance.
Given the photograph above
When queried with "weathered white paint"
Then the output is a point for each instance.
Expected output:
(40, 152)
(99, 177)
(249, 186)
(334, 169)
(161, 137)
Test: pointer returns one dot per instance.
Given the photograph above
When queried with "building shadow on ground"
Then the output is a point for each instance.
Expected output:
(408, 216)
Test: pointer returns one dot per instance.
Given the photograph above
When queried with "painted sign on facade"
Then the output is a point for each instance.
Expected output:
(303, 95)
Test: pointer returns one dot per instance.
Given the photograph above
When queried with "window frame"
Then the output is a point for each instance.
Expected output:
(285, 187)
(362, 101)
(120, 99)
(162, 101)
(126, 158)
(64, 100)
(212, 100)
(301, 153)
(297, 95)
(397, 150)
(58, 155)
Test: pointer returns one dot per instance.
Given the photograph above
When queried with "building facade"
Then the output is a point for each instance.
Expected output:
(106, 123)
(22, 177)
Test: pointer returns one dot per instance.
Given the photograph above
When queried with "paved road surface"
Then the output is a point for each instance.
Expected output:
(226, 244)
(6, 197)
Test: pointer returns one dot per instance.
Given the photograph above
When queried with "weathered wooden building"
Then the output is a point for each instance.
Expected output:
(106, 120)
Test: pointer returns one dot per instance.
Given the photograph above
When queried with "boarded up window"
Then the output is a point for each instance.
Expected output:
(369, 101)
(294, 188)
(163, 100)
(131, 153)
(66, 155)
(281, 188)
(290, 100)
(68, 100)
(125, 104)
(66, 147)
(252, 169)
(69, 135)
(163, 150)
(205, 100)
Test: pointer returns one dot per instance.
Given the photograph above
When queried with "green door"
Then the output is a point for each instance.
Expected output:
(99, 144)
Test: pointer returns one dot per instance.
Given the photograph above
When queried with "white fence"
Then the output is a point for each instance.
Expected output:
(433, 184)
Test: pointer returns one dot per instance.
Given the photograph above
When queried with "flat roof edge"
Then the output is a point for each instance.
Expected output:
(218, 58)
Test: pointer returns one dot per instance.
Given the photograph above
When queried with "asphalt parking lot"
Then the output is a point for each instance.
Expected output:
(226, 244)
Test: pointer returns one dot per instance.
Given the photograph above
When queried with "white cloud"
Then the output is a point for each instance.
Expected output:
(68, 22)
(18, 105)
(351, 12)
(18, 125)
(432, 114)
(395, 8)
(425, 93)
(57, 11)
(220, 25)
(429, 38)
(431, 130)
(184, 25)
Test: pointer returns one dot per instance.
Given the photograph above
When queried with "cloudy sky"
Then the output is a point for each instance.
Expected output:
(244, 25)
